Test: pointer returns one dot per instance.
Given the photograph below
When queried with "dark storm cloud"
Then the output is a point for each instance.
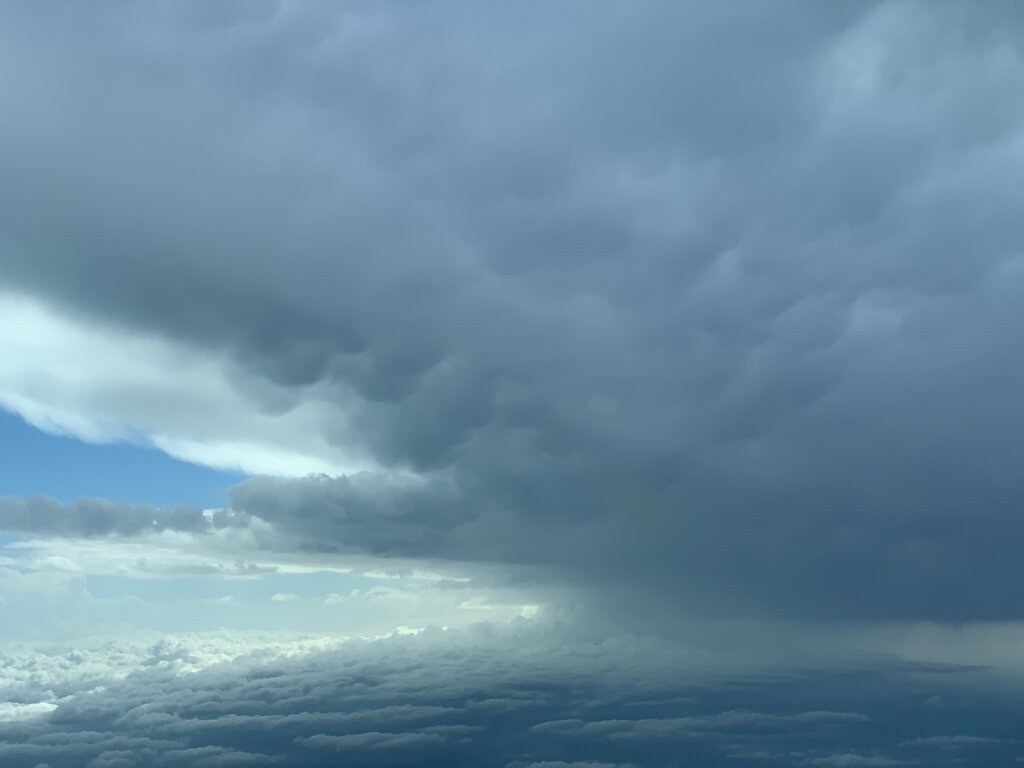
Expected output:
(706, 304)
(46, 516)
(415, 701)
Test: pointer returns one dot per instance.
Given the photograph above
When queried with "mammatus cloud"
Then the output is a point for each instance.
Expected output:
(708, 306)
(678, 341)
(696, 325)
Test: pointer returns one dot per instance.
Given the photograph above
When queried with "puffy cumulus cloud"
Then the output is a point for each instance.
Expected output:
(708, 306)
(37, 674)
(489, 695)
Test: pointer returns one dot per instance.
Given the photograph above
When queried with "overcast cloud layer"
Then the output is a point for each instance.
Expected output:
(661, 359)
(715, 303)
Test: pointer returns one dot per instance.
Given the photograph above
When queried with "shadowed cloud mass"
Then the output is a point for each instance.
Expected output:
(679, 313)
(715, 302)
(510, 697)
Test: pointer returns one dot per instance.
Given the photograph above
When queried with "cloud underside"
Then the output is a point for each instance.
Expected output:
(713, 306)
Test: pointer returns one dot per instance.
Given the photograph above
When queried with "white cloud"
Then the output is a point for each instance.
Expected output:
(100, 383)
(168, 581)
(12, 711)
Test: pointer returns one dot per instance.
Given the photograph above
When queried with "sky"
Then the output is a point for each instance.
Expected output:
(530, 385)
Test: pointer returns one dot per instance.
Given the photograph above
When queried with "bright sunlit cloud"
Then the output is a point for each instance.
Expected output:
(72, 375)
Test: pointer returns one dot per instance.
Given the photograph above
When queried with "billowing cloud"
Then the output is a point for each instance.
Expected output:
(708, 307)
(675, 340)
(428, 700)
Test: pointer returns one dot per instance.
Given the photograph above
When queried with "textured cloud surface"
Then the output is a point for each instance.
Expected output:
(669, 318)
(491, 697)
(721, 298)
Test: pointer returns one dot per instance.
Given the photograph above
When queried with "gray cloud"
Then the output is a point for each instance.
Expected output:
(371, 741)
(855, 760)
(411, 701)
(687, 727)
(46, 516)
(706, 306)
(958, 741)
